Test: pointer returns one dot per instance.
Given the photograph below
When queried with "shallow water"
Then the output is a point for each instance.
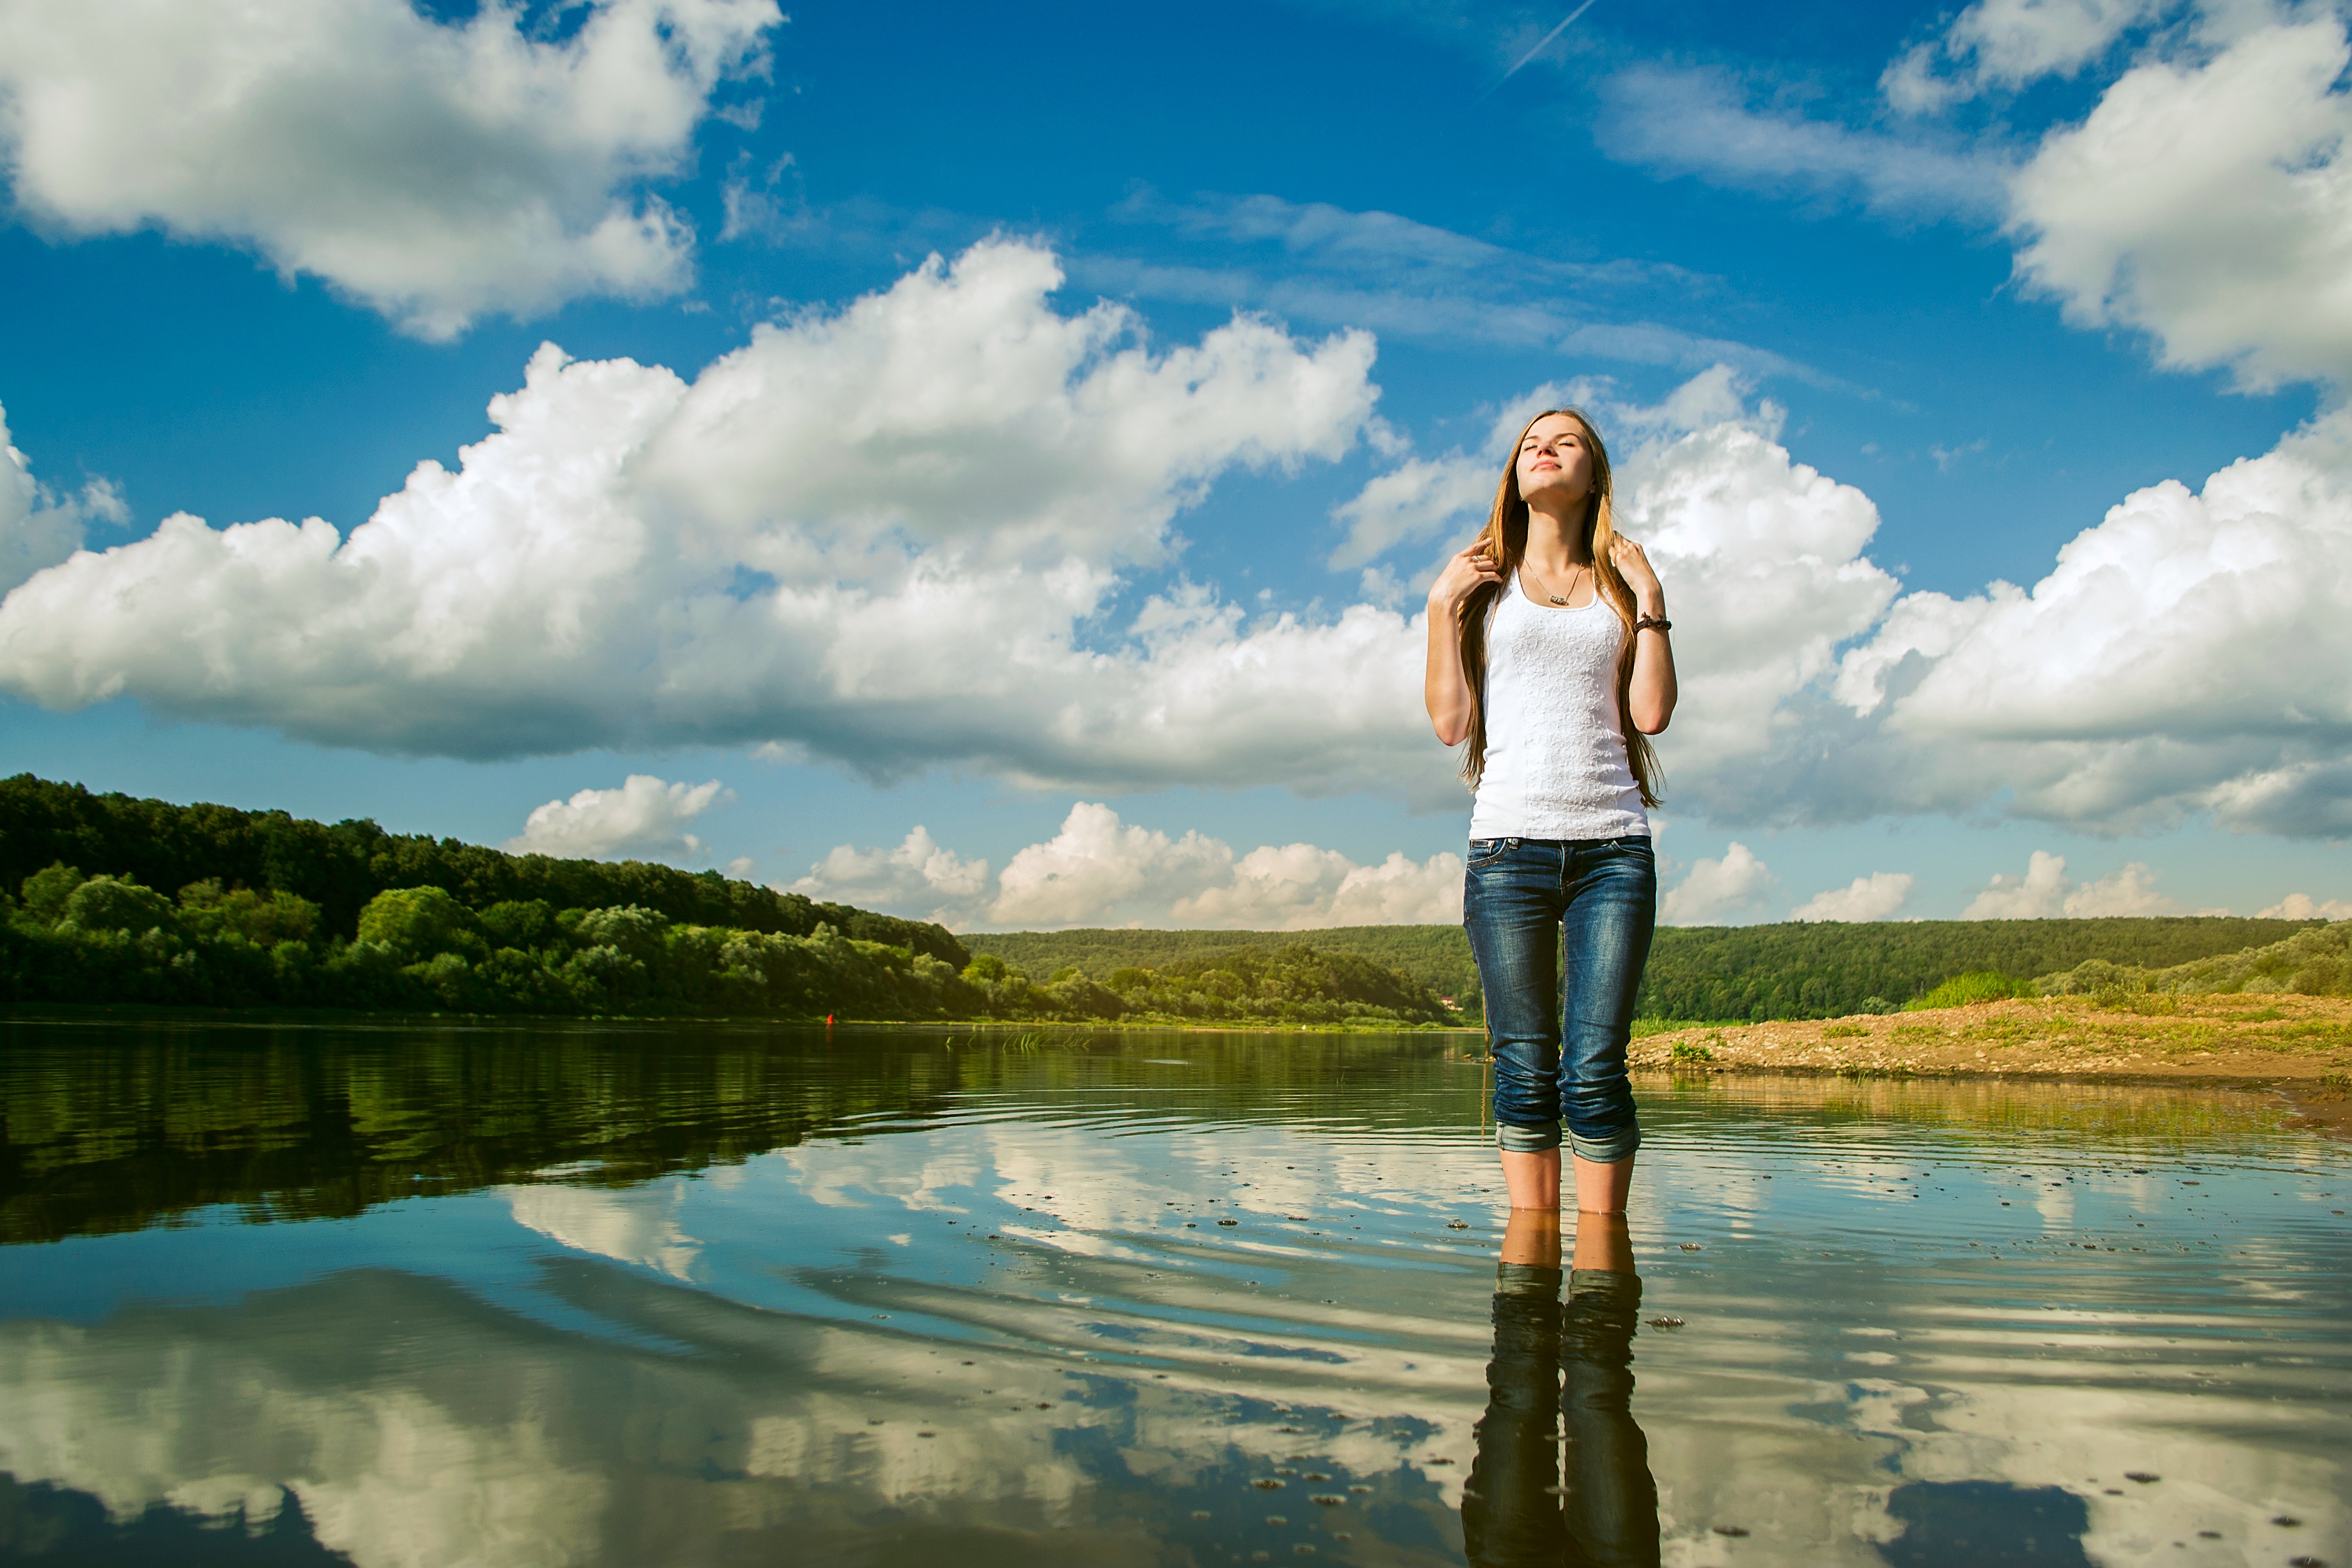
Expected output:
(632, 1296)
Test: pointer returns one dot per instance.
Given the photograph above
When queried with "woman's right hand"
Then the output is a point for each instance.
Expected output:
(1461, 577)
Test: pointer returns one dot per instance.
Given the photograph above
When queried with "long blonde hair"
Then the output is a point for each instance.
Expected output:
(1505, 538)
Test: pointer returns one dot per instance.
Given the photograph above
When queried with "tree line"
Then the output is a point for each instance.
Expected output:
(1716, 974)
(109, 897)
(338, 867)
(1291, 984)
(76, 938)
(274, 918)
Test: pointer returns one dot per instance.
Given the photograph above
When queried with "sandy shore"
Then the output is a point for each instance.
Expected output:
(2299, 1045)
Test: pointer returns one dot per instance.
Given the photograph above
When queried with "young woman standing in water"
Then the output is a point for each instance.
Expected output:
(1549, 655)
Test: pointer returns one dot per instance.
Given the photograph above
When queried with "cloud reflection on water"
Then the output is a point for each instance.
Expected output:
(690, 1368)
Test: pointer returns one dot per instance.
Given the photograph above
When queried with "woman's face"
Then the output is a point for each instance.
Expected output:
(1555, 461)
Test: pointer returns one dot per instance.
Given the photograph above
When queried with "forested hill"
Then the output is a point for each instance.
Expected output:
(341, 866)
(1827, 970)
(1712, 972)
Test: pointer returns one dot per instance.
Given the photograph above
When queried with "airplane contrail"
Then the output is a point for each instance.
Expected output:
(1531, 54)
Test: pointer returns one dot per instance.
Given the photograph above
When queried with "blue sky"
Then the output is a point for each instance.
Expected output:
(1092, 547)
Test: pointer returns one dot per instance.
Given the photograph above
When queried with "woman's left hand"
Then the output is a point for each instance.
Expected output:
(1635, 568)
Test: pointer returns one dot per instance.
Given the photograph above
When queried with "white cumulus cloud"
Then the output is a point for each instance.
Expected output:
(1418, 499)
(39, 528)
(887, 536)
(876, 533)
(2184, 656)
(2207, 201)
(2303, 906)
(644, 818)
(2038, 894)
(1100, 870)
(1874, 897)
(2186, 653)
(1713, 889)
(436, 171)
(1298, 887)
(2045, 891)
(1763, 559)
(1097, 864)
(2006, 44)
(916, 876)
(2127, 890)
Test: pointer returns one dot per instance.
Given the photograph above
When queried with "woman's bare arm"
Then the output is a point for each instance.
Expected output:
(1445, 686)
(1651, 700)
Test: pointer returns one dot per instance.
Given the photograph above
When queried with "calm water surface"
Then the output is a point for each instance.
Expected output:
(635, 1296)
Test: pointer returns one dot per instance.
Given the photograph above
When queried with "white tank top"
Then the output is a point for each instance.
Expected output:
(1556, 763)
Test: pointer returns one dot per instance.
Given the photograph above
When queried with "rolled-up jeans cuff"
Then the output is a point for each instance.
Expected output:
(1526, 1280)
(1605, 1151)
(1520, 1140)
(1604, 1286)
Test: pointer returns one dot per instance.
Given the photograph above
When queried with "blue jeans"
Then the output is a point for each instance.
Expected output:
(1559, 1048)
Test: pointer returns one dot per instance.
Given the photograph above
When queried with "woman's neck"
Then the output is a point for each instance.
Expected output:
(1555, 543)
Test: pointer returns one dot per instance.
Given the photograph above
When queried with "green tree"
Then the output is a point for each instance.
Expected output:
(517, 923)
(635, 931)
(341, 866)
(420, 923)
(46, 892)
(263, 919)
(116, 904)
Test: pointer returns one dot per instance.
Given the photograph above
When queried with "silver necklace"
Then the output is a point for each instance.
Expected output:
(1554, 598)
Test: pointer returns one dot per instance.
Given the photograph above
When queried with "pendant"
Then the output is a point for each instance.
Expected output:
(1556, 598)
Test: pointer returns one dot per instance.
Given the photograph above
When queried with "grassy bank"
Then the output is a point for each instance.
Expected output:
(2264, 1038)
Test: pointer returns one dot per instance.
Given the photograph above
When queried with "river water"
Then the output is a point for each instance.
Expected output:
(635, 1295)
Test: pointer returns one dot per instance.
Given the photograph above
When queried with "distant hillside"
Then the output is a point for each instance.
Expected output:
(1827, 970)
(1742, 972)
(1436, 956)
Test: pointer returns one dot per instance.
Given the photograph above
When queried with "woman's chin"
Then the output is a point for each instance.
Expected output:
(1559, 493)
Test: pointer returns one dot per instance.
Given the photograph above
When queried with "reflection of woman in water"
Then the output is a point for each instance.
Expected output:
(1571, 1367)
(1547, 653)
